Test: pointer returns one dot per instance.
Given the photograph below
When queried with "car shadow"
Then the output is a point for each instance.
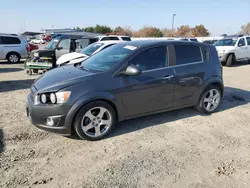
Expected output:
(241, 63)
(233, 97)
(1, 141)
(15, 85)
(5, 70)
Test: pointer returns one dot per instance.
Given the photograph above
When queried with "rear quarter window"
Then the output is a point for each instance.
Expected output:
(10, 40)
(126, 38)
(186, 54)
(248, 41)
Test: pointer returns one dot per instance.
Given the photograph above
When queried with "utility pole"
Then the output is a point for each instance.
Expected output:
(173, 24)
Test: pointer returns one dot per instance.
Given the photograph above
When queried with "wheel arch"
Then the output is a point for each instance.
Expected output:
(12, 52)
(217, 81)
(109, 99)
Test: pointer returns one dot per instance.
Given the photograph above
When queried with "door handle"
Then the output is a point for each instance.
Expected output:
(168, 77)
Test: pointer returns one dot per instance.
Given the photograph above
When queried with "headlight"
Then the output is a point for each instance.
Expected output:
(54, 98)
(43, 98)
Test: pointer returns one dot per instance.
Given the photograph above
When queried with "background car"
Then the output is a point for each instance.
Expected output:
(233, 49)
(210, 41)
(38, 41)
(90, 50)
(114, 37)
(13, 48)
(32, 47)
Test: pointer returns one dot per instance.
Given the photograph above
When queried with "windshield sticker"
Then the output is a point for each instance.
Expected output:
(129, 47)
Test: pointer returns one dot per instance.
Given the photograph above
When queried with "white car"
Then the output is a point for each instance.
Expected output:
(77, 57)
(114, 37)
(233, 49)
(37, 41)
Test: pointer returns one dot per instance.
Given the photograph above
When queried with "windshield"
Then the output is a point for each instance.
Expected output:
(106, 59)
(89, 50)
(52, 44)
(226, 42)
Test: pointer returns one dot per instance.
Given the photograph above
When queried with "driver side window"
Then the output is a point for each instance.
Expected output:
(241, 42)
(150, 59)
(65, 44)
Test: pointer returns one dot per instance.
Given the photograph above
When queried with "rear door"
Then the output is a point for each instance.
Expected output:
(63, 47)
(1, 49)
(189, 73)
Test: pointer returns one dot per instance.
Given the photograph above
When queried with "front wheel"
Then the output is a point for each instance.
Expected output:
(230, 60)
(209, 100)
(94, 121)
(13, 58)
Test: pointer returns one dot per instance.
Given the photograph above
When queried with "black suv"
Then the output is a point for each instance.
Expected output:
(125, 81)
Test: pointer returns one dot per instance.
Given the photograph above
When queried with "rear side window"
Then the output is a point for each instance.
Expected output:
(206, 54)
(10, 40)
(194, 40)
(248, 41)
(153, 58)
(187, 54)
(126, 38)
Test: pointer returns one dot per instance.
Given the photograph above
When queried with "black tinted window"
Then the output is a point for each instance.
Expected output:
(151, 59)
(126, 38)
(109, 38)
(187, 54)
(10, 40)
(206, 54)
(194, 40)
(248, 41)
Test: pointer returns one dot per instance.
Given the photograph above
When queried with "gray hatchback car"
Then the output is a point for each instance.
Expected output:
(125, 81)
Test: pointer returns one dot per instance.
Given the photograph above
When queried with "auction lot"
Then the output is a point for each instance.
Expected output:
(182, 148)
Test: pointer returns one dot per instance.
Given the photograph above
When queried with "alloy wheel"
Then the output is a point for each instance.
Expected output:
(212, 100)
(96, 122)
(13, 58)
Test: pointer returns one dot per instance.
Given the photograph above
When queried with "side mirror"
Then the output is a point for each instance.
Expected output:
(59, 48)
(131, 70)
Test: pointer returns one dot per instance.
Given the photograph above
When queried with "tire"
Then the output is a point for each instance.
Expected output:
(230, 60)
(29, 71)
(35, 71)
(13, 57)
(89, 121)
(212, 95)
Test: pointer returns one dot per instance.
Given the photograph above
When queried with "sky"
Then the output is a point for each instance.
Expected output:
(219, 16)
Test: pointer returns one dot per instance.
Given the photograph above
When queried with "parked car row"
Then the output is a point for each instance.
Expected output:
(124, 81)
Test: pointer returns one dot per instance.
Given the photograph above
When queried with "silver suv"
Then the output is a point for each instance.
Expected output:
(13, 48)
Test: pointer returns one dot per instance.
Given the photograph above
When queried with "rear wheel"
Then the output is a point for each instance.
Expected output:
(209, 100)
(29, 71)
(94, 121)
(13, 57)
(230, 60)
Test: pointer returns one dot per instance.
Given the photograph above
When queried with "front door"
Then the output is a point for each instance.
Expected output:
(241, 51)
(63, 47)
(151, 91)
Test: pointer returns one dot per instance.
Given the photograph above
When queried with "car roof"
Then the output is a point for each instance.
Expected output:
(145, 43)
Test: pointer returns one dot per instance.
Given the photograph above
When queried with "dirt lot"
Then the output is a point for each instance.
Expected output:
(175, 149)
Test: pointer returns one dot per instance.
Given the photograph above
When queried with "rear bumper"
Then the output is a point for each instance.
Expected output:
(38, 115)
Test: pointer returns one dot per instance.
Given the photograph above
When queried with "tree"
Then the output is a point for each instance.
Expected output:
(102, 29)
(149, 32)
(183, 30)
(78, 28)
(122, 31)
(89, 29)
(168, 32)
(245, 29)
(200, 31)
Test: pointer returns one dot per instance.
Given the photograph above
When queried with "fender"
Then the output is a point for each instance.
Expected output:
(86, 99)
(214, 79)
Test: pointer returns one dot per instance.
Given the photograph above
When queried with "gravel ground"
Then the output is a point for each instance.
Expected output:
(175, 149)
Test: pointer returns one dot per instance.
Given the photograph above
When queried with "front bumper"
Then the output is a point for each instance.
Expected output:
(39, 113)
(222, 57)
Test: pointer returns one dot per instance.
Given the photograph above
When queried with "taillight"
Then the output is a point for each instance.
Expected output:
(28, 48)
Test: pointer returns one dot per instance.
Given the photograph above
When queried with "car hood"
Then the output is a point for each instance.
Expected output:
(69, 57)
(62, 77)
(44, 52)
(224, 48)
